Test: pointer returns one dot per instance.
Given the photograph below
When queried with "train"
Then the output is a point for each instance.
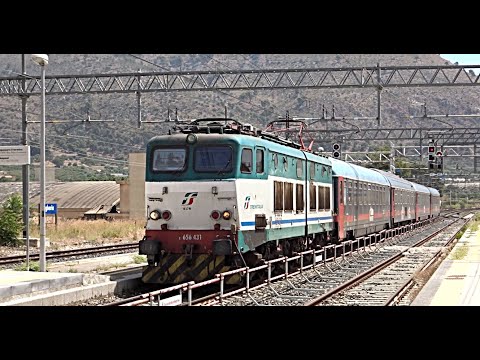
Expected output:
(221, 195)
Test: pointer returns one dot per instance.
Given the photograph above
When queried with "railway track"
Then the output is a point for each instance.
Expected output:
(383, 283)
(333, 267)
(55, 255)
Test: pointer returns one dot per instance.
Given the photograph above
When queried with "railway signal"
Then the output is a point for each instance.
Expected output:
(336, 151)
(439, 160)
(431, 155)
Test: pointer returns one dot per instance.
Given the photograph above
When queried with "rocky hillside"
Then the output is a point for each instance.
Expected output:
(109, 143)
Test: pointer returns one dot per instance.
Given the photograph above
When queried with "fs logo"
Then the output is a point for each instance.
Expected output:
(247, 202)
(189, 197)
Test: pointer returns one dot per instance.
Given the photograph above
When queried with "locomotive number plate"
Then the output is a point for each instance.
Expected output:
(186, 237)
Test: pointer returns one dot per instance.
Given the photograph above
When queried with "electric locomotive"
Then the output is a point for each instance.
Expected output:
(222, 195)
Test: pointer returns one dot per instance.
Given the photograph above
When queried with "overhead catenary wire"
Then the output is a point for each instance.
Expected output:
(235, 97)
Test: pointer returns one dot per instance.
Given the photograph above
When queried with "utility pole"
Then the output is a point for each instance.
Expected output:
(42, 61)
(25, 169)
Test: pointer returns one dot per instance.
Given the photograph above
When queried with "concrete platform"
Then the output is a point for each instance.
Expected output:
(456, 282)
(49, 288)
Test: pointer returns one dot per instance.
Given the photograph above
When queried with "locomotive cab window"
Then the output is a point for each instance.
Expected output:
(213, 159)
(275, 160)
(327, 198)
(299, 168)
(169, 159)
(259, 161)
(247, 159)
(300, 203)
(278, 195)
(312, 171)
(285, 163)
(288, 197)
(313, 197)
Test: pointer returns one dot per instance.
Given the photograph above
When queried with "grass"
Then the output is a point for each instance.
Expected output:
(34, 266)
(459, 252)
(96, 232)
(110, 266)
(139, 259)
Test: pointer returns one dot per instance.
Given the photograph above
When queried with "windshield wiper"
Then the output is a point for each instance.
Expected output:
(224, 168)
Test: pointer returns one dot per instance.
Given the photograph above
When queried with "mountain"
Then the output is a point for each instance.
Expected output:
(109, 143)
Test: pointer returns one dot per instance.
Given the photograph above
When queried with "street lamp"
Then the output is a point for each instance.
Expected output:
(42, 60)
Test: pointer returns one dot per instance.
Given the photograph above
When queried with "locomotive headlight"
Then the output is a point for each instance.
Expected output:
(154, 215)
(191, 138)
(226, 215)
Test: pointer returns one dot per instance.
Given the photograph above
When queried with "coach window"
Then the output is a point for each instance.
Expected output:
(259, 161)
(342, 201)
(247, 159)
(349, 192)
(354, 193)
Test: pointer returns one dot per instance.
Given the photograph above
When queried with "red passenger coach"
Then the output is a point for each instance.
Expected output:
(422, 208)
(435, 202)
(403, 199)
(361, 200)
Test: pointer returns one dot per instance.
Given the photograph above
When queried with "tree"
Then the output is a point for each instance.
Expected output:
(11, 220)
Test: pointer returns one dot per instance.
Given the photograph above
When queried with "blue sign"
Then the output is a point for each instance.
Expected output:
(50, 209)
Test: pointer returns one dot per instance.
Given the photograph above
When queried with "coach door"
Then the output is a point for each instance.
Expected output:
(339, 215)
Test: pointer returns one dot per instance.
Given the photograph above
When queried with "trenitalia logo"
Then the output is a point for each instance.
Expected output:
(189, 197)
(247, 201)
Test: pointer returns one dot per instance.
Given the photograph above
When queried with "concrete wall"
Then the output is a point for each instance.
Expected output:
(136, 186)
(71, 213)
(124, 197)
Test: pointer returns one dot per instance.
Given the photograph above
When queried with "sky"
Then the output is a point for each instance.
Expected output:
(463, 59)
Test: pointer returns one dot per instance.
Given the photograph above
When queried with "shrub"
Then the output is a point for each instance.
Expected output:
(33, 265)
(11, 220)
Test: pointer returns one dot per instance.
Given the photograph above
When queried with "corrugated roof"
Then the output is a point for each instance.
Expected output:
(81, 194)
